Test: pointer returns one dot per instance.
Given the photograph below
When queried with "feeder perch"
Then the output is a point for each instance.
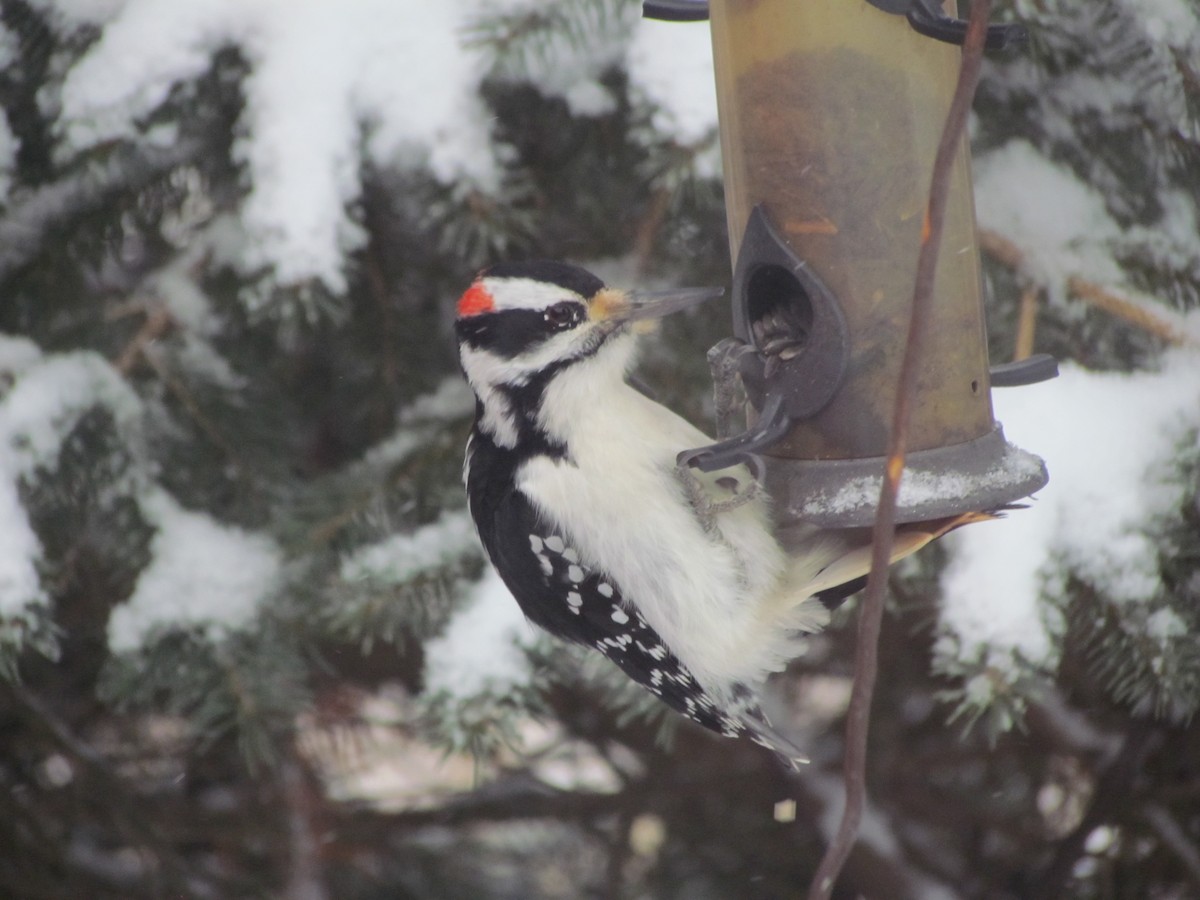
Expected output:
(830, 116)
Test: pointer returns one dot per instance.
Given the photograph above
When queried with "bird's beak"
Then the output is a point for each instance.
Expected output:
(619, 307)
(657, 304)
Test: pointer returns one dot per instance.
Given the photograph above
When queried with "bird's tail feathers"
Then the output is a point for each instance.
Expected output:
(763, 733)
(830, 558)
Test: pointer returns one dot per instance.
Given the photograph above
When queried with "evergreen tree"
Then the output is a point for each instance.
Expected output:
(249, 645)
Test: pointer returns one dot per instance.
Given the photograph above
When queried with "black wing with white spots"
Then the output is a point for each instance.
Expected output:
(595, 615)
(560, 593)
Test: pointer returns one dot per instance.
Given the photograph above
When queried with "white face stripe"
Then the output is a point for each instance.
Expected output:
(485, 369)
(498, 419)
(526, 293)
(485, 372)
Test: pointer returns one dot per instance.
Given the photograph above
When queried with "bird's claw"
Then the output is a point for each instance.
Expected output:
(741, 492)
(729, 391)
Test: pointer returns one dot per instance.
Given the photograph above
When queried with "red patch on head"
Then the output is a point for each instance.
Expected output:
(475, 301)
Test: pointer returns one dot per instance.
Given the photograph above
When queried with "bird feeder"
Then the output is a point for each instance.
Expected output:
(830, 116)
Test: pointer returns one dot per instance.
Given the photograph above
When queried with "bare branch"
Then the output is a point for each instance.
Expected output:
(1130, 310)
(158, 323)
(866, 662)
(1112, 301)
(1027, 322)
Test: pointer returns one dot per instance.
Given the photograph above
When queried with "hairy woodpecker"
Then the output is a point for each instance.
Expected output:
(677, 577)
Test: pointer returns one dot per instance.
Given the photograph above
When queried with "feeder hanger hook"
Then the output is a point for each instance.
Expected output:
(924, 16)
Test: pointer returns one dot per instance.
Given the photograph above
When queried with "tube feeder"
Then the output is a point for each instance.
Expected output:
(830, 115)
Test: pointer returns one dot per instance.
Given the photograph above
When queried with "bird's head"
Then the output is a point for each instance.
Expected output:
(519, 320)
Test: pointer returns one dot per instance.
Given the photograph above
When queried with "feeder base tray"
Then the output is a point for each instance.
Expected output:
(983, 474)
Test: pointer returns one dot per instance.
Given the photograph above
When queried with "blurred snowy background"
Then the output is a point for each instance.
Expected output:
(248, 642)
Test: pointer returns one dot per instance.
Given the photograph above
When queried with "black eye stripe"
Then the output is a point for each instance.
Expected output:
(513, 331)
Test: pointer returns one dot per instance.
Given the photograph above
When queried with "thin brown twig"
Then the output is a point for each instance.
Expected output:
(389, 369)
(1123, 307)
(1026, 322)
(1008, 254)
(141, 349)
(189, 403)
(1001, 249)
(157, 323)
(866, 661)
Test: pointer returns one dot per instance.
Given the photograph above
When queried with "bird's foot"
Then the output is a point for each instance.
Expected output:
(729, 391)
(712, 495)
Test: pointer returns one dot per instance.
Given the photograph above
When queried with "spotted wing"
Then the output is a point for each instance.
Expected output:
(561, 593)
